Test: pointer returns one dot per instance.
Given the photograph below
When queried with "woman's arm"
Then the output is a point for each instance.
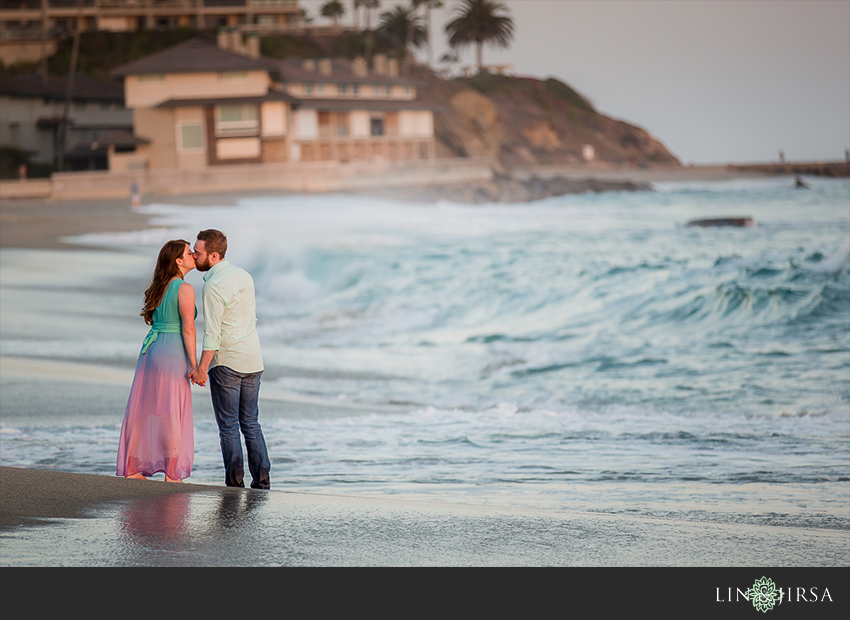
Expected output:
(186, 305)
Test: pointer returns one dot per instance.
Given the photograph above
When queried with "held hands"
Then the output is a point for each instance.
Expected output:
(198, 376)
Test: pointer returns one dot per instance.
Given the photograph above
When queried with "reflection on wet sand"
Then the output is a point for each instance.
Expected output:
(178, 529)
(237, 509)
(155, 520)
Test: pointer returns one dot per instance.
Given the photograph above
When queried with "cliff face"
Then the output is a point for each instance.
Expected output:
(525, 121)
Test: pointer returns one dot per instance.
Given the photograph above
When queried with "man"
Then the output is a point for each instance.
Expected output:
(231, 359)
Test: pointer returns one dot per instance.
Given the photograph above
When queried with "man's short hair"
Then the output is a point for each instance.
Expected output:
(214, 241)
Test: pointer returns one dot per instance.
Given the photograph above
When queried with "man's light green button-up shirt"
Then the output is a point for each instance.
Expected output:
(230, 318)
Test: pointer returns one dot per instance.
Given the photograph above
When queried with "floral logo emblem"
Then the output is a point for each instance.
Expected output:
(764, 594)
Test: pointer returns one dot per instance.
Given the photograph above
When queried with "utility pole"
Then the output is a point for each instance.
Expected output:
(72, 70)
(44, 42)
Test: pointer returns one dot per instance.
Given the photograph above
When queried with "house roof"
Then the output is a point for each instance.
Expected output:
(193, 56)
(272, 95)
(375, 105)
(342, 71)
(85, 88)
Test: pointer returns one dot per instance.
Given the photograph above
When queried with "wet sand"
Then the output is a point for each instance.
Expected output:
(88, 520)
(36, 223)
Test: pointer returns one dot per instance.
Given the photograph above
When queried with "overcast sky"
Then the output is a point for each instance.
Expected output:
(716, 81)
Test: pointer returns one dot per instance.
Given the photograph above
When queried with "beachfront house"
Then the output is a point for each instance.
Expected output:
(349, 112)
(57, 126)
(200, 105)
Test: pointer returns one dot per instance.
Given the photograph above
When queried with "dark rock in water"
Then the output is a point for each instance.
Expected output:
(724, 221)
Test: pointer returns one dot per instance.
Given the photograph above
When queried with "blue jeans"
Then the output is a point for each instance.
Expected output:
(235, 397)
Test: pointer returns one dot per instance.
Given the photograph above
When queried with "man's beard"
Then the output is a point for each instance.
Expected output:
(203, 266)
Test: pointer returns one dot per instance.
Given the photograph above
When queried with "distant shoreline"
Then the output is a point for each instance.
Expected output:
(351, 178)
(41, 223)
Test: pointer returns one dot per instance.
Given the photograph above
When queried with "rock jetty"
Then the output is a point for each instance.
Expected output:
(503, 189)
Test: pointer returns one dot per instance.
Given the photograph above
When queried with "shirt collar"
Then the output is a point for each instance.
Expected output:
(220, 264)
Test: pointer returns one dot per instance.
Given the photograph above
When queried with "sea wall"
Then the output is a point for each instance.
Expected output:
(295, 177)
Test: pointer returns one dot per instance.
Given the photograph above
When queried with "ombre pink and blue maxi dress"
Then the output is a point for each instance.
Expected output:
(156, 435)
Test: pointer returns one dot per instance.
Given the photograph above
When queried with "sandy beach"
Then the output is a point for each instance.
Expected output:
(62, 519)
(86, 520)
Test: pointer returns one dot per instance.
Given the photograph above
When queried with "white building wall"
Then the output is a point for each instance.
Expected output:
(416, 124)
(307, 124)
(359, 127)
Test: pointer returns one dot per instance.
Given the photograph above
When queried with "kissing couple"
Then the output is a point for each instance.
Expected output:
(157, 433)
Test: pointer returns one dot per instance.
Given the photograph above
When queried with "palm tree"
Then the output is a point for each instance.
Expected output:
(370, 5)
(334, 10)
(480, 22)
(402, 29)
(356, 5)
(428, 5)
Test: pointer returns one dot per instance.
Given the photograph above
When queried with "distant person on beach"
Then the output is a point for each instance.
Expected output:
(231, 360)
(157, 435)
(135, 196)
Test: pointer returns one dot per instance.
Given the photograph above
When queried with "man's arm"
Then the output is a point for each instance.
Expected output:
(213, 313)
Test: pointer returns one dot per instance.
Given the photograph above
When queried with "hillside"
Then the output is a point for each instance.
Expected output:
(522, 121)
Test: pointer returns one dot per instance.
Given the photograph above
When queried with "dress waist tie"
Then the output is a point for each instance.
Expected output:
(160, 328)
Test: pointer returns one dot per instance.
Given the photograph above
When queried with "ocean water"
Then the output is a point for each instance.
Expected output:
(586, 352)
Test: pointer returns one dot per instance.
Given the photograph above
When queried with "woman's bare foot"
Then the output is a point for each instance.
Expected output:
(167, 479)
(136, 476)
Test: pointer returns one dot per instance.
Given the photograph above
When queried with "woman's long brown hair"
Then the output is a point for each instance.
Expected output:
(166, 268)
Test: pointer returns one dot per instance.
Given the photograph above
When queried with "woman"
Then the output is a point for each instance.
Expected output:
(156, 435)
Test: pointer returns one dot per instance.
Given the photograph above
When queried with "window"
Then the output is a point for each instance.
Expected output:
(190, 137)
(308, 88)
(237, 120)
(355, 88)
(376, 124)
(376, 89)
(343, 88)
(342, 124)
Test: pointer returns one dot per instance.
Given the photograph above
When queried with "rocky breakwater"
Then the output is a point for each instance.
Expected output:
(503, 188)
